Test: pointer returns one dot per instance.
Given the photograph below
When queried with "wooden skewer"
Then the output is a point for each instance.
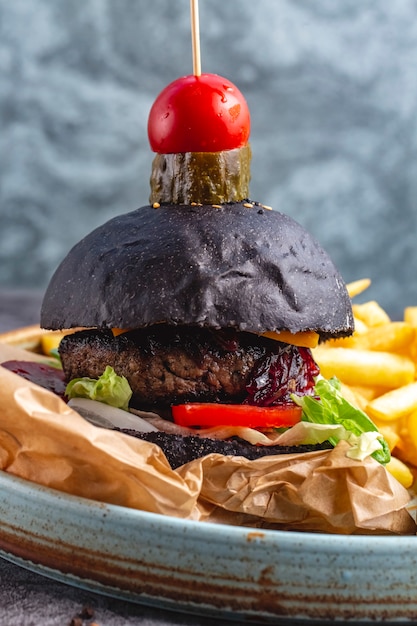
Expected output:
(195, 37)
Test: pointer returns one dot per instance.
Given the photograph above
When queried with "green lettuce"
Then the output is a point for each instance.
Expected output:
(109, 388)
(332, 408)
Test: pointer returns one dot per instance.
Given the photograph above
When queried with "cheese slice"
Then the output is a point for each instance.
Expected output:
(304, 339)
(119, 331)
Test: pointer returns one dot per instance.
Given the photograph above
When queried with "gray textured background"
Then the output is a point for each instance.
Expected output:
(332, 88)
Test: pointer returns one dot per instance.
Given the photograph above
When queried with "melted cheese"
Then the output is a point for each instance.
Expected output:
(305, 339)
(119, 331)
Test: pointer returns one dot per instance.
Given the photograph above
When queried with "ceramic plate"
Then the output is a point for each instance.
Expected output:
(230, 572)
(210, 569)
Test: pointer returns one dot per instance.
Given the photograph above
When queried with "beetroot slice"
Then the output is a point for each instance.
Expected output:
(46, 376)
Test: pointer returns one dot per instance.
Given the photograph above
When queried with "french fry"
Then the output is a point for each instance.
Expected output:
(354, 341)
(365, 367)
(410, 315)
(351, 396)
(368, 393)
(411, 429)
(386, 337)
(360, 327)
(395, 404)
(358, 286)
(371, 313)
(359, 396)
(51, 340)
(406, 448)
(391, 434)
(357, 340)
(391, 337)
(401, 472)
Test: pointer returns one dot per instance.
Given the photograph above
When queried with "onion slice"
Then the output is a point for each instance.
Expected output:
(106, 416)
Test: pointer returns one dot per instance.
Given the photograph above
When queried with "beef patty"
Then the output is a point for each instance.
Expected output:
(168, 365)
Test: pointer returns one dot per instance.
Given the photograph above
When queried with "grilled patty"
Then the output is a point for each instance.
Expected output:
(168, 365)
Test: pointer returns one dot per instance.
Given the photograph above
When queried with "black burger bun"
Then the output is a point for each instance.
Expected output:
(237, 265)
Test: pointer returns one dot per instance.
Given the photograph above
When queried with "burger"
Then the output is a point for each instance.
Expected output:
(207, 303)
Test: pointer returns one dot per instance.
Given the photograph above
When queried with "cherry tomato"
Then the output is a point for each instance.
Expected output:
(204, 113)
(206, 415)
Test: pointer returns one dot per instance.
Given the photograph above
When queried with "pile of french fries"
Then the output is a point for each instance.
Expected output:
(377, 367)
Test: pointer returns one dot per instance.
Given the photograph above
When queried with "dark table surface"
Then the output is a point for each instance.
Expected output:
(29, 599)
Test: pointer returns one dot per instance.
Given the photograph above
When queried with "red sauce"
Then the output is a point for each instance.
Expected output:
(277, 376)
(41, 374)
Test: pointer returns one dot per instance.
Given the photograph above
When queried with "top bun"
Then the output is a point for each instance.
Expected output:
(237, 265)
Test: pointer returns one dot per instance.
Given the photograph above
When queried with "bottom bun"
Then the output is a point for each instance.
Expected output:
(180, 449)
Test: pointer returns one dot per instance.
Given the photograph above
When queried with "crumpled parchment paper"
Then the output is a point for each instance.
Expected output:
(43, 440)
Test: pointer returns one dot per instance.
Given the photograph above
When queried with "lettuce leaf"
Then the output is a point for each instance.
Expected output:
(332, 408)
(361, 446)
(109, 388)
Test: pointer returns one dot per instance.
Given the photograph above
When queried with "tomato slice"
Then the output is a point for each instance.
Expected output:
(206, 415)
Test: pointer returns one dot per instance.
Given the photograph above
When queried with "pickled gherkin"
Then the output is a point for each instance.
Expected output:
(201, 177)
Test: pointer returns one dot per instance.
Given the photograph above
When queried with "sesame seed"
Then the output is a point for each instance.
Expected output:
(269, 208)
(248, 205)
(156, 205)
(216, 206)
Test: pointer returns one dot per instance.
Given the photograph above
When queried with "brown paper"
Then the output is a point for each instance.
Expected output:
(43, 440)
